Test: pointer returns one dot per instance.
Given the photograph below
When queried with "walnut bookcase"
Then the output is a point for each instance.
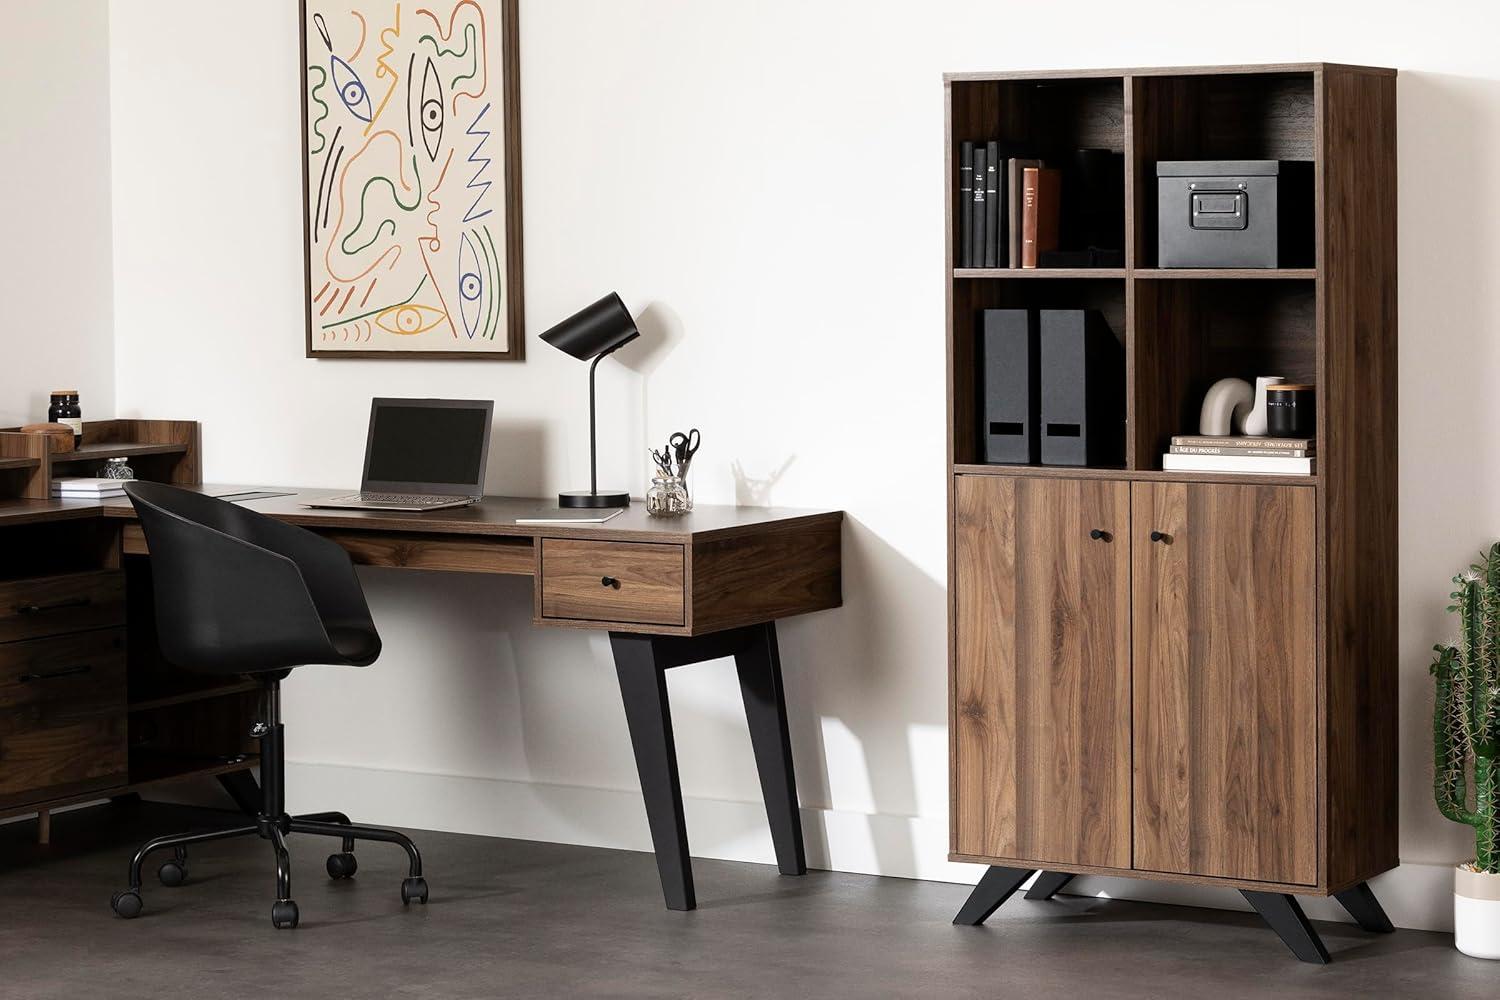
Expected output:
(1169, 675)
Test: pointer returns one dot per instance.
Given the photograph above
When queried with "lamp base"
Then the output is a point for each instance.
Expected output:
(585, 498)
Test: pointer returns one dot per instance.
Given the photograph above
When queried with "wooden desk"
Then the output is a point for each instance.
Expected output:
(670, 592)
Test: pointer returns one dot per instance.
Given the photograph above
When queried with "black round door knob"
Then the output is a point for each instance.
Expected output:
(609, 581)
(1158, 536)
(1099, 535)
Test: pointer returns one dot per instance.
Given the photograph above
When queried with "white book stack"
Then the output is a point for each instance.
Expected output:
(80, 488)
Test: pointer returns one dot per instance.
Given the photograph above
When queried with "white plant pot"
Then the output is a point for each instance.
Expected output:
(1476, 913)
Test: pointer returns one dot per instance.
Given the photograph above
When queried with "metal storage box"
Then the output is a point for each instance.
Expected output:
(1234, 213)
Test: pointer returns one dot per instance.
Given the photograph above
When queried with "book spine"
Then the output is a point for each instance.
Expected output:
(1190, 449)
(1048, 210)
(1028, 216)
(1278, 444)
(963, 207)
(976, 252)
(991, 204)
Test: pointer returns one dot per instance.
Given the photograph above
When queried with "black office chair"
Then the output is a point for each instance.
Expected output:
(241, 593)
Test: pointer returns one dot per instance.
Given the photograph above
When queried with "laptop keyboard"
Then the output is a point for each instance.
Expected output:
(404, 498)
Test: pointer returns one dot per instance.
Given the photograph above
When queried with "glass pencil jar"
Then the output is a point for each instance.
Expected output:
(117, 468)
(668, 497)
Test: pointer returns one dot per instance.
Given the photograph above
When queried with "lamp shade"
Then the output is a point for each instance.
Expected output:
(595, 329)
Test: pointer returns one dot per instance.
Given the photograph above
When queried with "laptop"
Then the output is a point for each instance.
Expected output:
(421, 454)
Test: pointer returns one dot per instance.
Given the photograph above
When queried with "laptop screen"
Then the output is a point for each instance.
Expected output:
(428, 445)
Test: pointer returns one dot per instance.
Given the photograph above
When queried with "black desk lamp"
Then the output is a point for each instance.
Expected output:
(594, 332)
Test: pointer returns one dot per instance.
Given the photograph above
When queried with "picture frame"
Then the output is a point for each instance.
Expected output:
(405, 182)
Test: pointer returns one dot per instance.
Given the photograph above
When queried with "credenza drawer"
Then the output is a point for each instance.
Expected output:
(63, 679)
(56, 605)
(62, 716)
(639, 582)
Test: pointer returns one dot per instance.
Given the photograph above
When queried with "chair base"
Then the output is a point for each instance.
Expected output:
(284, 914)
(271, 822)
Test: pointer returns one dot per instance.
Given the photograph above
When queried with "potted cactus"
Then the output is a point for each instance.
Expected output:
(1466, 744)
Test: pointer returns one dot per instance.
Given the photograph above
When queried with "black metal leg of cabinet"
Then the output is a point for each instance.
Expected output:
(997, 885)
(1286, 918)
(1365, 908)
(1048, 884)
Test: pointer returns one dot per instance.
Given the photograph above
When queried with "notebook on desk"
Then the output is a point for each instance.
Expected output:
(421, 454)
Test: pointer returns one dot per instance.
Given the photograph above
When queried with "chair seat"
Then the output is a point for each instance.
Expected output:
(356, 645)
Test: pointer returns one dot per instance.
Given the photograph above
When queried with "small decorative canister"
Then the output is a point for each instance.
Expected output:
(1291, 411)
(668, 497)
(117, 468)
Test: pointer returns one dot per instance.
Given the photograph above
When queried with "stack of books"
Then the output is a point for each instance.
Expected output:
(1277, 456)
(1002, 199)
(79, 488)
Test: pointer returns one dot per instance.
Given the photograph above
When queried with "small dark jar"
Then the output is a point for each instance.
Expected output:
(1291, 411)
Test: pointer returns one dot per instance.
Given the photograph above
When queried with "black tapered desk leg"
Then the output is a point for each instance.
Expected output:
(759, 666)
(244, 789)
(997, 885)
(1048, 884)
(1365, 909)
(1286, 918)
(643, 687)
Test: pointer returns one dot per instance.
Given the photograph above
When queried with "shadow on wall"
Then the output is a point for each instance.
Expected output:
(518, 459)
(755, 491)
(661, 331)
(1448, 362)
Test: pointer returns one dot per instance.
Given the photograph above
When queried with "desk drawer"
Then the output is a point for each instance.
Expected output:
(62, 716)
(612, 581)
(56, 605)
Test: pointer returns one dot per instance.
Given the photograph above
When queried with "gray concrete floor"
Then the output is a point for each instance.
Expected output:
(519, 919)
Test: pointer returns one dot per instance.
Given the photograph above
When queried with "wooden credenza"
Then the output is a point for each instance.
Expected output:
(1185, 676)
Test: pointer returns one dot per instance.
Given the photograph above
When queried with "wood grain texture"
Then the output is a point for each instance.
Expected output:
(47, 762)
(773, 574)
(47, 682)
(1225, 693)
(648, 587)
(1357, 414)
(54, 605)
(407, 550)
(1041, 745)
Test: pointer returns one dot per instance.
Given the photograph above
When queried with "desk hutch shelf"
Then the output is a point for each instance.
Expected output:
(1185, 676)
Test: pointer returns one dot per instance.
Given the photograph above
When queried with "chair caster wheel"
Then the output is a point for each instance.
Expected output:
(126, 904)
(342, 865)
(414, 889)
(284, 914)
(172, 873)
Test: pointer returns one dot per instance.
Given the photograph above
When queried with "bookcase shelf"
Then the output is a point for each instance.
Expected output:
(1234, 273)
(1003, 273)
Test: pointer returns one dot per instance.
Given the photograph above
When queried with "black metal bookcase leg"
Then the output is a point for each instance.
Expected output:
(244, 789)
(643, 687)
(1048, 884)
(997, 885)
(1362, 905)
(1286, 918)
(759, 667)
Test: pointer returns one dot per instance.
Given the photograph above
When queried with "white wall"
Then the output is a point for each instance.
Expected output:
(764, 182)
(54, 224)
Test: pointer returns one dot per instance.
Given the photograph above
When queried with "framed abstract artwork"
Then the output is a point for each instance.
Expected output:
(411, 179)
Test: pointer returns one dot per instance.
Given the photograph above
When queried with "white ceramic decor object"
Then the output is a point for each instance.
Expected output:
(1476, 913)
(1255, 420)
(1224, 406)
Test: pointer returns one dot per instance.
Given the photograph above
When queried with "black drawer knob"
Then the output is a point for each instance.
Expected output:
(1099, 535)
(36, 609)
(609, 581)
(1160, 536)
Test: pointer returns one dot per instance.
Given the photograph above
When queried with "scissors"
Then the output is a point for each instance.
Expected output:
(685, 445)
(663, 459)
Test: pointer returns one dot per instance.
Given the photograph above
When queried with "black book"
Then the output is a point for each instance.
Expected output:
(964, 206)
(977, 207)
(992, 173)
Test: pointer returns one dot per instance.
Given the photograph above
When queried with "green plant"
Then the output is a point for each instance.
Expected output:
(1466, 715)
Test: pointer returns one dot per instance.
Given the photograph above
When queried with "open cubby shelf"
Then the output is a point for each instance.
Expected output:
(1182, 328)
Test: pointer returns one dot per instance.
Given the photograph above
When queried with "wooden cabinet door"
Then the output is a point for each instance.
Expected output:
(1225, 681)
(1041, 717)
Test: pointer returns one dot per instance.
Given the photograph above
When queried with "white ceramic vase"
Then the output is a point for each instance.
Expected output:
(1476, 913)
(1255, 420)
(1224, 407)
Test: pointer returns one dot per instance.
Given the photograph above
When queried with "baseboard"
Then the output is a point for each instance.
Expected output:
(1415, 895)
